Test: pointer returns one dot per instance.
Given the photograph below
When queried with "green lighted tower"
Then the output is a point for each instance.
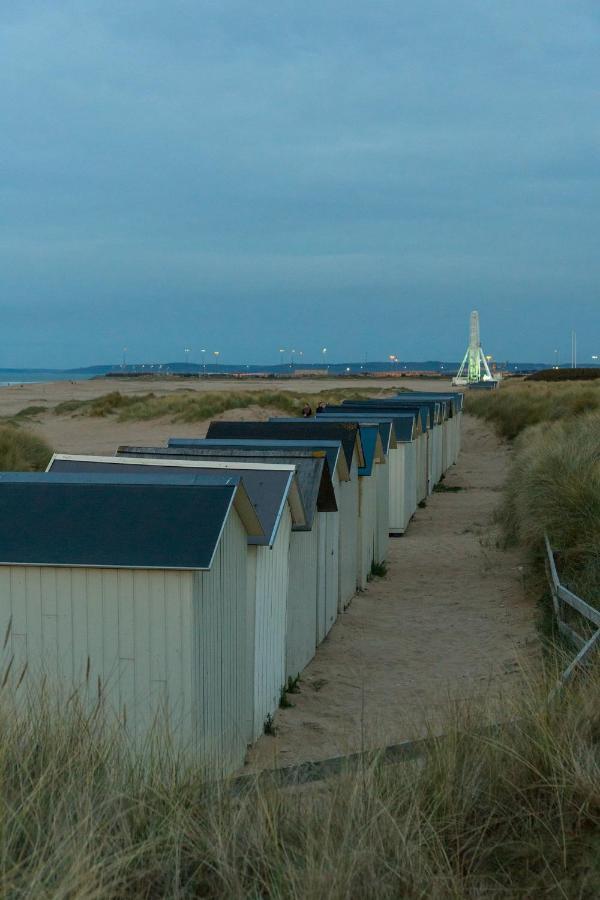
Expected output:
(474, 366)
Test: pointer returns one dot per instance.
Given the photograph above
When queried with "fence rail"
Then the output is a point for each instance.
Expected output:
(562, 596)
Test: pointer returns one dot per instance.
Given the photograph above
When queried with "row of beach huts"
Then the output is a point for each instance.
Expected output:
(186, 584)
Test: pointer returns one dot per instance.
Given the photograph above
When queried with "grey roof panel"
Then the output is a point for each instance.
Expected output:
(403, 420)
(113, 522)
(339, 412)
(345, 433)
(312, 469)
(266, 489)
(263, 447)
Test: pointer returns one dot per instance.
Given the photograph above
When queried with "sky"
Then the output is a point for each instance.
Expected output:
(248, 177)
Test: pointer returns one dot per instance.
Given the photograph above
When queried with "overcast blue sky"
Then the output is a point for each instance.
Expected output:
(249, 176)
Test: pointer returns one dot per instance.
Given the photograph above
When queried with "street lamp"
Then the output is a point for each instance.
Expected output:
(203, 352)
(187, 350)
(124, 363)
(281, 352)
(324, 352)
(216, 354)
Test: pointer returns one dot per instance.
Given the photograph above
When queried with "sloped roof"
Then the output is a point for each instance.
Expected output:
(421, 409)
(297, 429)
(267, 487)
(114, 521)
(404, 421)
(347, 433)
(342, 413)
(312, 470)
(336, 460)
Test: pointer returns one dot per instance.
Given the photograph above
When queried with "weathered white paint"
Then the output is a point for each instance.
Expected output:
(303, 599)
(328, 572)
(348, 497)
(367, 525)
(271, 596)
(403, 485)
(382, 533)
(162, 648)
(421, 463)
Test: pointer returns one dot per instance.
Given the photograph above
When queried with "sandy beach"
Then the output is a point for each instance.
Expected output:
(74, 433)
(449, 623)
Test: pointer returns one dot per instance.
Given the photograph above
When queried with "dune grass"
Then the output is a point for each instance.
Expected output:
(554, 488)
(513, 812)
(553, 485)
(21, 451)
(197, 406)
(516, 406)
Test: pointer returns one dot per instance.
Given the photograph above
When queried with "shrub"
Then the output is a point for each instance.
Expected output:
(197, 406)
(21, 451)
(514, 407)
(554, 487)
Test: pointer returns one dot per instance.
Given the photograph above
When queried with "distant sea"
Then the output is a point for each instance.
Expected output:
(35, 376)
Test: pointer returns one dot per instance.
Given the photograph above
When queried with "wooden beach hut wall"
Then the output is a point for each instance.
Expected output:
(347, 490)
(306, 599)
(373, 483)
(133, 589)
(350, 536)
(274, 495)
(328, 518)
(412, 402)
(402, 461)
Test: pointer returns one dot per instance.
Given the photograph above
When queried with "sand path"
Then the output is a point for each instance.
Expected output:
(449, 621)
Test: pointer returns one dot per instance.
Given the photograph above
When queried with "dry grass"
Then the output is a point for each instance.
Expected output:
(197, 406)
(554, 488)
(21, 451)
(517, 405)
(509, 813)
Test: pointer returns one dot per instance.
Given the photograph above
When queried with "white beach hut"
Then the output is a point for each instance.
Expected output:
(274, 494)
(347, 491)
(133, 589)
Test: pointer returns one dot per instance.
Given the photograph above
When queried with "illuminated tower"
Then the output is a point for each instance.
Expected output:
(474, 366)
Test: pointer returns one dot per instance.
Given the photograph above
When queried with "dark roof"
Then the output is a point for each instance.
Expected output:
(443, 403)
(267, 489)
(421, 409)
(296, 429)
(403, 420)
(262, 446)
(340, 413)
(348, 433)
(456, 398)
(112, 521)
(312, 469)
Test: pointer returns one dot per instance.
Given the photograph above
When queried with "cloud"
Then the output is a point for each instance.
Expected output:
(200, 160)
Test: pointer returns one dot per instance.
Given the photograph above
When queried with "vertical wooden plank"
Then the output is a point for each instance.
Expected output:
(158, 666)
(49, 624)
(190, 625)
(7, 620)
(34, 622)
(95, 633)
(143, 713)
(79, 625)
(172, 639)
(64, 626)
(126, 628)
(110, 634)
